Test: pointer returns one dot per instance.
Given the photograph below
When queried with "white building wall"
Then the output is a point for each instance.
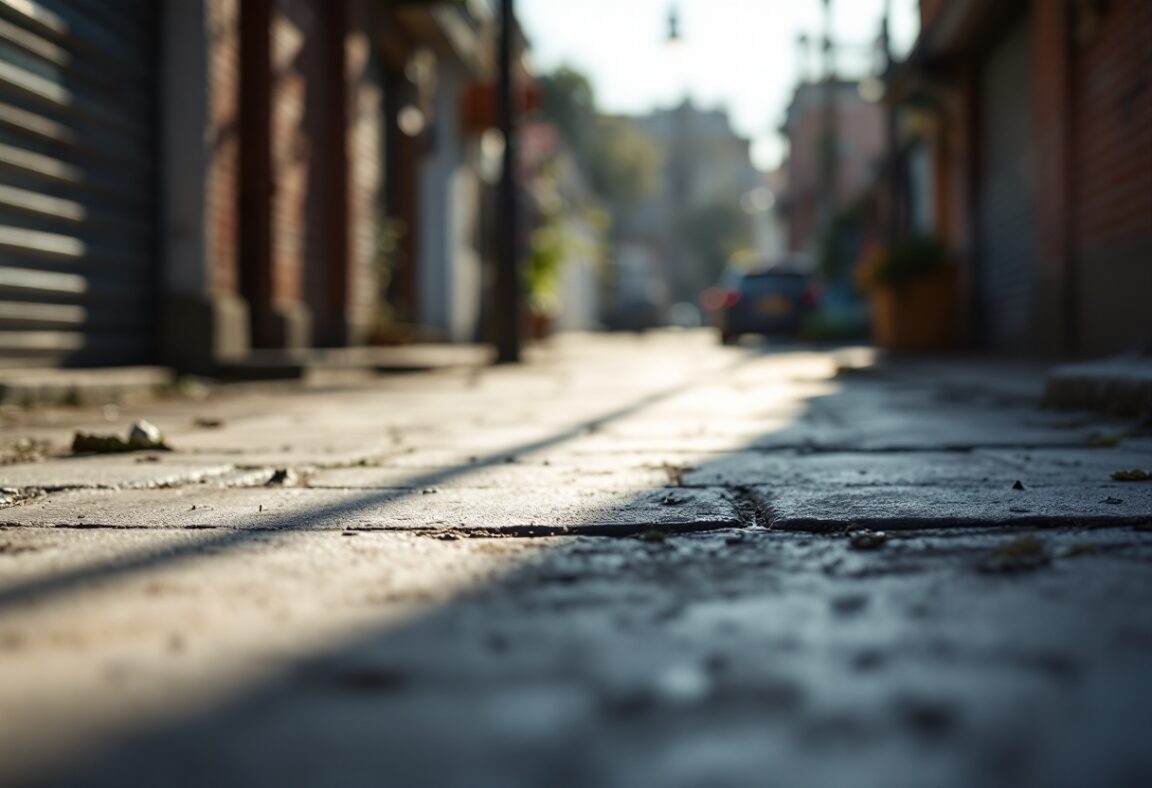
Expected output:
(580, 282)
(450, 265)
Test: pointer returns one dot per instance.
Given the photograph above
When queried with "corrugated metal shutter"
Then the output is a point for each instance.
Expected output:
(1006, 199)
(77, 180)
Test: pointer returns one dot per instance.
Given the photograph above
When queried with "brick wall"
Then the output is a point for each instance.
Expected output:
(1112, 84)
(1092, 120)
(1053, 316)
(365, 110)
(293, 42)
(223, 175)
(860, 130)
(312, 169)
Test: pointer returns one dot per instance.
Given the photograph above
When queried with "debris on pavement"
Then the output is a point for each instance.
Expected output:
(865, 539)
(144, 436)
(675, 473)
(1107, 441)
(91, 443)
(25, 450)
(282, 477)
(1134, 475)
(1074, 550)
(1018, 555)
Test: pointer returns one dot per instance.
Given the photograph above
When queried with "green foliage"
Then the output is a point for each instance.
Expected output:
(622, 164)
(911, 258)
(566, 100)
(715, 230)
(832, 259)
(542, 274)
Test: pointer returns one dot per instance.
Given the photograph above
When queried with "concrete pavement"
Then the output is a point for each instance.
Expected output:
(432, 595)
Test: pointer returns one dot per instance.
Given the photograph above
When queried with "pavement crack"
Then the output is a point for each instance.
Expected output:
(612, 530)
(750, 509)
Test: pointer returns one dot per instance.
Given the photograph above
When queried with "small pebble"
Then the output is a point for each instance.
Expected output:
(867, 540)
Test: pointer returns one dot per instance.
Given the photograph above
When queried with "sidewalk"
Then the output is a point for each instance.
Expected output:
(406, 580)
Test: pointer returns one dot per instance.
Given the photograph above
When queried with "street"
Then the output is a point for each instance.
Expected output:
(632, 561)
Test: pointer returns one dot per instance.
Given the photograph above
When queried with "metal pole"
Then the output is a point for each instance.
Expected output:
(507, 291)
(890, 130)
(829, 152)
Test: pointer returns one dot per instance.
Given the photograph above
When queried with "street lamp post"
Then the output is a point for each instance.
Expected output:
(508, 287)
(891, 134)
(829, 153)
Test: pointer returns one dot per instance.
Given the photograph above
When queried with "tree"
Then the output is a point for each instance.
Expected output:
(624, 163)
(567, 101)
(714, 230)
(621, 163)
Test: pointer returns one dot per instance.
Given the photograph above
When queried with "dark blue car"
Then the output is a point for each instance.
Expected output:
(769, 303)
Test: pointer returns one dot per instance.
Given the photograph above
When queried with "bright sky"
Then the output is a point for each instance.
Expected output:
(741, 54)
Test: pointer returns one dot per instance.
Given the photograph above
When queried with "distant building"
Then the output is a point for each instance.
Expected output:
(705, 163)
(858, 129)
(1037, 117)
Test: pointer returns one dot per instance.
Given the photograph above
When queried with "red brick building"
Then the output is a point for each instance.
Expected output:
(858, 127)
(189, 181)
(1039, 118)
(279, 103)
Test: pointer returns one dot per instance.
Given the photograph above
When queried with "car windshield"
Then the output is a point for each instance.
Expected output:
(764, 284)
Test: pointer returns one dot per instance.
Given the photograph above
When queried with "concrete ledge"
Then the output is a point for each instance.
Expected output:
(199, 331)
(1122, 386)
(81, 386)
(314, 365)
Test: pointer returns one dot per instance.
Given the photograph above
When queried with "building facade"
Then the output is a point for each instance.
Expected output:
(1039, 119)
(190, 182)
(706, 168)
(857, 127)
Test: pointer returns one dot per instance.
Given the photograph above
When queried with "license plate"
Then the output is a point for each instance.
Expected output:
(775, 306)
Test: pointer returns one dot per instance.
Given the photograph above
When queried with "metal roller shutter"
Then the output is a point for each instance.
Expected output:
(77, 181)
(1007, 212)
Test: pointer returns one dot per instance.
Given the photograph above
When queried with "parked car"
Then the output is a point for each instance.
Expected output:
(772, 302)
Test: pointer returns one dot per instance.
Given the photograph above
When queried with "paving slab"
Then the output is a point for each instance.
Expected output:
(1121, 385)
(986, 505)
(430, 597)
(525, 475)
(524, 512)
(785, 468)
(137, 625)
(1075, 466)
(41, 385)
(1034, 467)
(300, 458)
(858, 424)
(127, 470)
(619, 663)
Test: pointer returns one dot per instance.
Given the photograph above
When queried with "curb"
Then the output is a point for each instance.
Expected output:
(1120, 386)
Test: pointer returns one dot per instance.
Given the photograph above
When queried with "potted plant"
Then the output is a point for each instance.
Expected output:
(912, 290)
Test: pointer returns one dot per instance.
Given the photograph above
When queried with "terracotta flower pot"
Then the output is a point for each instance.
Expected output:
(918, 315)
